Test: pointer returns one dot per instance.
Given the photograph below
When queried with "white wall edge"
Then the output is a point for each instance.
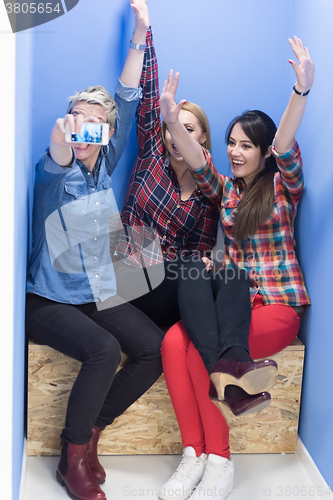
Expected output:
(7, 135)
(310, 467)
(24, 468)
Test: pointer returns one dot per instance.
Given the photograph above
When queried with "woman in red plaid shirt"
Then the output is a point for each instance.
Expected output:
(163, 200)
(257, 209)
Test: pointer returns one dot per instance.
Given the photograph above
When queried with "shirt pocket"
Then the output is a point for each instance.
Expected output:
(228, 211)
(106, 195)
(106, 182)
(76, 201)
(274, 216)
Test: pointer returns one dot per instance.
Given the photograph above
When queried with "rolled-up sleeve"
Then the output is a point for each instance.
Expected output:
(291, 170)
(128, 93)
(126, 99)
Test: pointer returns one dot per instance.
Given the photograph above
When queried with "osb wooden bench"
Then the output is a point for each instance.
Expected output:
(149, 426)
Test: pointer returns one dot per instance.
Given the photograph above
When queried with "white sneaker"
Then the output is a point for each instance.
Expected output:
(184, 480)
(217, 480)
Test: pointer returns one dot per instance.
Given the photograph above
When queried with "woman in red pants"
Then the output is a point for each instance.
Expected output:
(258, 209)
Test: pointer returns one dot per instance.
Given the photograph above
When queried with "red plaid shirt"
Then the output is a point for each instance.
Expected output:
(269, 254)
(153, 198)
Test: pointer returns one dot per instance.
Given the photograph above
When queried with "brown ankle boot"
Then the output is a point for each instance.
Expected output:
(96, 468)
(74, 473)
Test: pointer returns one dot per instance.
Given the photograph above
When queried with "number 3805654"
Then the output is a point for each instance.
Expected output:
(32, 8)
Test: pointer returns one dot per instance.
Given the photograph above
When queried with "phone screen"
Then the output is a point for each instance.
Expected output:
(90, 132)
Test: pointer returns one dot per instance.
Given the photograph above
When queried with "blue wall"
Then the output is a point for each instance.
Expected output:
(232, 56)
(315, 237)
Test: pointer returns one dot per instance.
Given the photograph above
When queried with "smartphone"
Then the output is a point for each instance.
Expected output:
(90, 133)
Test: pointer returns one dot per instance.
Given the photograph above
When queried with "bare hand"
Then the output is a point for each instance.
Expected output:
(169, 109)
(305, 69)
(209, 264)
(141, 14)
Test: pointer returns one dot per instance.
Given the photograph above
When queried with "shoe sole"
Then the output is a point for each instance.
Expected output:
(203, 496)
(62, 482)
(253, 382)
(230, 416)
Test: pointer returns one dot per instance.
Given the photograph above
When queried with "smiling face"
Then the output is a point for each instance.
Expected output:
(88, 153)
(192, 125)
(245, 158)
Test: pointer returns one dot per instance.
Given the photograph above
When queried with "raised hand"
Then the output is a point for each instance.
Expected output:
(305, 68)
(141, 14)
(293, 115)
(169, 109)
(59, 130)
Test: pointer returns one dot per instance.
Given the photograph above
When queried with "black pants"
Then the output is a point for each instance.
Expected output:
(95, 338)
(215, 307)
(161, 304)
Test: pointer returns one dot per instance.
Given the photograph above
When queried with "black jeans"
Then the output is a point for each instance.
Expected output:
(215, 308)
(95, 338)
(161, 304)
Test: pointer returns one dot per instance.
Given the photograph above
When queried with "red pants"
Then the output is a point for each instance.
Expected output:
(273, 327)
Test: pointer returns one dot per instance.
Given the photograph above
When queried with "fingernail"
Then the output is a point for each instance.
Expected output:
(290, 61)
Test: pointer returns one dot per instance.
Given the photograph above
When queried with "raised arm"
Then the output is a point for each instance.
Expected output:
(131, 73)
(292, 117)
(148, 122)
(61, 152)
(188, 147)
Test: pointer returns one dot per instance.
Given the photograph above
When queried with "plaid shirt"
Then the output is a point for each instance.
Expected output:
(153, 198)
(269, 254)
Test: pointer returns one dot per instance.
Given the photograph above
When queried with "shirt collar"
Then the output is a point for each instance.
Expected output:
(96, 168)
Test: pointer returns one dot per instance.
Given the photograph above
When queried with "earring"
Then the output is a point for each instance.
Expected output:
(105, 150)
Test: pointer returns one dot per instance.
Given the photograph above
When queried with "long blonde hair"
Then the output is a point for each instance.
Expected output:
(199, 113)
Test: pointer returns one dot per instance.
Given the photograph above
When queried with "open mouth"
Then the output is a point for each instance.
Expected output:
(237, 163)
(175, 149)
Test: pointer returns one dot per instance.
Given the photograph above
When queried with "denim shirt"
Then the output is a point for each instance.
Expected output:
(70, 260)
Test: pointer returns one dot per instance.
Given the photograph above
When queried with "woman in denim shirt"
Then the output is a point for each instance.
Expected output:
(71, 275)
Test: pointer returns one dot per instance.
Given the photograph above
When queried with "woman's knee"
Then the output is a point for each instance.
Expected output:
(272, 328)
(175, 339)
(103, 349)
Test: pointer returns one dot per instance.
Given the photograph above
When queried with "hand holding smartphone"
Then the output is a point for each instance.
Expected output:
(90, 133)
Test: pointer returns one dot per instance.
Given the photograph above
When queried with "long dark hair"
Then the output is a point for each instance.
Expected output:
(258, 199)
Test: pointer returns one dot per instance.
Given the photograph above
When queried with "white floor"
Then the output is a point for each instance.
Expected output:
(257, 477)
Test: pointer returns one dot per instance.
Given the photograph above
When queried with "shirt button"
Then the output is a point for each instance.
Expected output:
(97, 203)
(88, 173)
(96, 275)
(164, 237)
(168, 222)
(95, 257)
(95, 238)
(93, 189)
(95, 220)
(178, 206)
